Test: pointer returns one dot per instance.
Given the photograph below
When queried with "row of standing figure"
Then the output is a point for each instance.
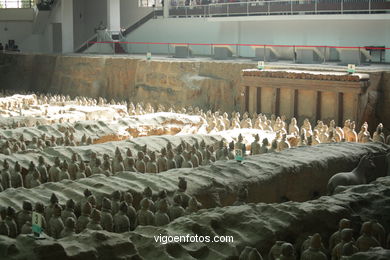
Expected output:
(114, 214)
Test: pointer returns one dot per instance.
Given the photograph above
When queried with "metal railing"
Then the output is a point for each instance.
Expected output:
(16, 3)
(279, 7)
(149, 3)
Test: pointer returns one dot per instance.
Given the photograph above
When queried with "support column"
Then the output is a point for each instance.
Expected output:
(318, 105)
(114, 15)
(295, 103)
(340, 108)
(67, 26)
(246, 99)
(167, 5)
(276, 102)
(258, 100)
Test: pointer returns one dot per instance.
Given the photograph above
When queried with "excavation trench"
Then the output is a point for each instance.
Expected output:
(297, 174)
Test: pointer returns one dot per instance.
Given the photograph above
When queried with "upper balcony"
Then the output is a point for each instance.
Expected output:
(17, 3)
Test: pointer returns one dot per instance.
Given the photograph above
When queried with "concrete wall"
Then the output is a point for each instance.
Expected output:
(16, 14)
(338, 30)
(87, 14)
(131, 13)
(344, 30)
(21, 32)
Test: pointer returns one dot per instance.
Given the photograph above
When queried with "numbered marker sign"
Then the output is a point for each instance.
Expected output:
(238, 156)
(36, 223)
(148, 55)
(351, 68)
(260, 65)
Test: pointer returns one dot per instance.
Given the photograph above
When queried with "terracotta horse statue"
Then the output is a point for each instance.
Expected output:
(355, 177)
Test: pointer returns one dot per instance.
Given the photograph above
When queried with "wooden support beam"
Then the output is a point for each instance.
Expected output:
(295, 103)
(318, 105)
(258, 100)
(340, 108)
(246, 98)
(276, 101)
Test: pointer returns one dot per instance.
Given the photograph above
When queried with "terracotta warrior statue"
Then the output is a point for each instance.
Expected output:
(314, 252)
(140, 164)
(107, 221)
(145, 217)
(161, 215)
(366, 240)
(176, 210)
(56, 225)
(378, 135)
(255, 146)
(335, 238)
(70, 228)
(94, 223)
(84, 219)
(162, 161)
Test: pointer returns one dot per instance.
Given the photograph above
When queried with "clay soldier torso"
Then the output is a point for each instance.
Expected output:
(151, 166)
(366, 240)
(117, 165)
(255, 146)
(314, 252)
(140, 164)
(54, 173)
(69, 211)
(115, 206)
(80, 174)
(84, 219)
(82, 222)
(187, 161)
(4, 230)
(22, 217)
(56, 227)
(121, 221)
(194, 160)
(72, 170)
(69, 229)
(35, 182)
(94, 223)
(145, 217)
(176, 211)
(179, 159)
(12, 227)
(5, 179)
(16, 177)
(161, 215)
(107, 221)
(171, 163)
(55, 224)
(43, 172)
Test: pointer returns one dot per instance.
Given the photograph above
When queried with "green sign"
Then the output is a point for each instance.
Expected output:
(260, 65)
(36, 223)
(148, 55)
(351, 68)
(239, 157)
